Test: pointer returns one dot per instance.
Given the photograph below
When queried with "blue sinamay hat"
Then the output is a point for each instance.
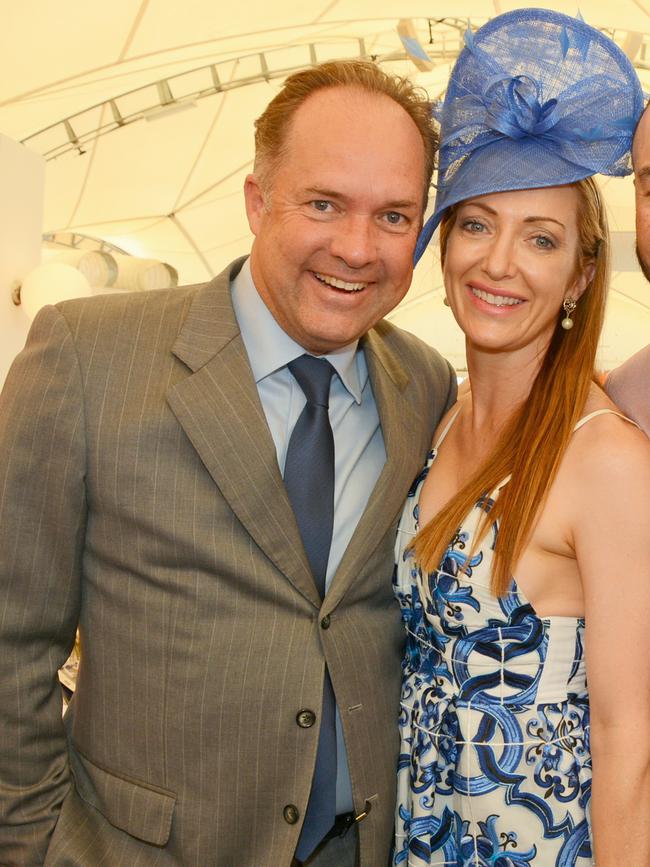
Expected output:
(535, 99)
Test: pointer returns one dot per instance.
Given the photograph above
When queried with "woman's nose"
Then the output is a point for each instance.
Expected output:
(499, 257)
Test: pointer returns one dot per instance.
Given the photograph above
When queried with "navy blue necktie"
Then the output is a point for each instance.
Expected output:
(309, 480)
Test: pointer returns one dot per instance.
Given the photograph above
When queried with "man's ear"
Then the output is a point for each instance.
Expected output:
(583, 279)
(255, 203)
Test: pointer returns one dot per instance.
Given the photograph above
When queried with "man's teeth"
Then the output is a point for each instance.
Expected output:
(340, 284)
(497, 300)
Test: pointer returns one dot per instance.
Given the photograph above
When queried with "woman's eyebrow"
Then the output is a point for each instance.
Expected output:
(544, 220)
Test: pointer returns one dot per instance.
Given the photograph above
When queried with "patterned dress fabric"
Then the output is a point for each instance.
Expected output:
(494, 766)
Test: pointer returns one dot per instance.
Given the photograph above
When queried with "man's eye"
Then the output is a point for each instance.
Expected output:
(321, 205)
(394, 218)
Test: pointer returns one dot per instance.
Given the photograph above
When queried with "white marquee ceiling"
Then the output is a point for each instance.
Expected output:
(167, 183)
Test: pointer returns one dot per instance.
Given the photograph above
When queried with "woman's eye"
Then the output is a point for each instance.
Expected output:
(543, 242)
(473, 226)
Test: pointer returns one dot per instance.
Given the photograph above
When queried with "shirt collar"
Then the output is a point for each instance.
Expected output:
(270, 348)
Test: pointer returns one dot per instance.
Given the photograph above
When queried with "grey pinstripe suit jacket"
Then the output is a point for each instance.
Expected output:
(140, 496)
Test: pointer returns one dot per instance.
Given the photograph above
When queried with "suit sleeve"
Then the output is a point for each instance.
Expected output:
(452, 393)
(42, 525)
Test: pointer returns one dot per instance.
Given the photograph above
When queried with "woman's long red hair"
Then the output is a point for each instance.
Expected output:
(536, 437)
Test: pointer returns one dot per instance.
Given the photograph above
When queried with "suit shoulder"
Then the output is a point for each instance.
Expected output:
(118, 306)
(133, 313)
(411, 349)
(108, 326)
(429, 379)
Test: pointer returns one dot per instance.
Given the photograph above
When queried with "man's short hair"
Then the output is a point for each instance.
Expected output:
(272, 126)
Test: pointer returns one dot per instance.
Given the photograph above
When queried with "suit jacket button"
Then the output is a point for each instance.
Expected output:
(325, 622)
(305, 718)
(291, 814)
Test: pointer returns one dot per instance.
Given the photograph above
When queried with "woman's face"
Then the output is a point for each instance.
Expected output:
(511, 260)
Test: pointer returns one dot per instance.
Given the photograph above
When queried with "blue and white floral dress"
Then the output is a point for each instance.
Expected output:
(494, 765)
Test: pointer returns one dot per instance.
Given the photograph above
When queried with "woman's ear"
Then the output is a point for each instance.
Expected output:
(583, 279)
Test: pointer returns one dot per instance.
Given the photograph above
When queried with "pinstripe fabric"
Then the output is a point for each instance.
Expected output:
(140, 495)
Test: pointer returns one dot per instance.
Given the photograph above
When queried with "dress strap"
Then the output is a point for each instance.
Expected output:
(596, 412)
(446, 430)
(579, 424)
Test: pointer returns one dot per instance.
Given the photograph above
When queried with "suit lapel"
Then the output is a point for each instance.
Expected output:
(403, 439)
(219, 408)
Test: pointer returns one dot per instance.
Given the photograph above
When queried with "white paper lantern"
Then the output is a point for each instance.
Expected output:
(49, 284)
(135, 274)
(97, 266)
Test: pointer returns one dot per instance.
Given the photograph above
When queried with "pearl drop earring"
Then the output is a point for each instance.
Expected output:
(569, 306)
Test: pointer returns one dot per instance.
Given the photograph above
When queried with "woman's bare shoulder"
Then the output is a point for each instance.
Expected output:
(608, 449)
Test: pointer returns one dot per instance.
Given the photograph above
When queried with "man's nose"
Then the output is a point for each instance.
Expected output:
(354, 241)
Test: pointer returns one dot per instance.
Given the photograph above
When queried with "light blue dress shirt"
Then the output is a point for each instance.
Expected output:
(358, 441)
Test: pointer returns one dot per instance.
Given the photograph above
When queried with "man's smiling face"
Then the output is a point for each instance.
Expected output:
(336, 229)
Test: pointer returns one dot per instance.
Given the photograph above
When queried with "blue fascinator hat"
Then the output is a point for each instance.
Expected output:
(535, 99)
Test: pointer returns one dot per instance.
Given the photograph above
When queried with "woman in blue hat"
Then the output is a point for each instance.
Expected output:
(525, 709)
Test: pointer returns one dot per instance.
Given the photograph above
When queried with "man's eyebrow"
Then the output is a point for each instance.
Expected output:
(323, 193)
(402, 203)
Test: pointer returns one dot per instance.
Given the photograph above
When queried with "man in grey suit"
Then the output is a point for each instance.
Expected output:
(143, 442)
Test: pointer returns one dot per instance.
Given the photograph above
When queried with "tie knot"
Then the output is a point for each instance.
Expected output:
(313, 375)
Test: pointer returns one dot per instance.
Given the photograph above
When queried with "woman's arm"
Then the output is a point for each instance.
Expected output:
(612, 543)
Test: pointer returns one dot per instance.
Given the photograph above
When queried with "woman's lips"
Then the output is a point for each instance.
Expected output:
(497, 299)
